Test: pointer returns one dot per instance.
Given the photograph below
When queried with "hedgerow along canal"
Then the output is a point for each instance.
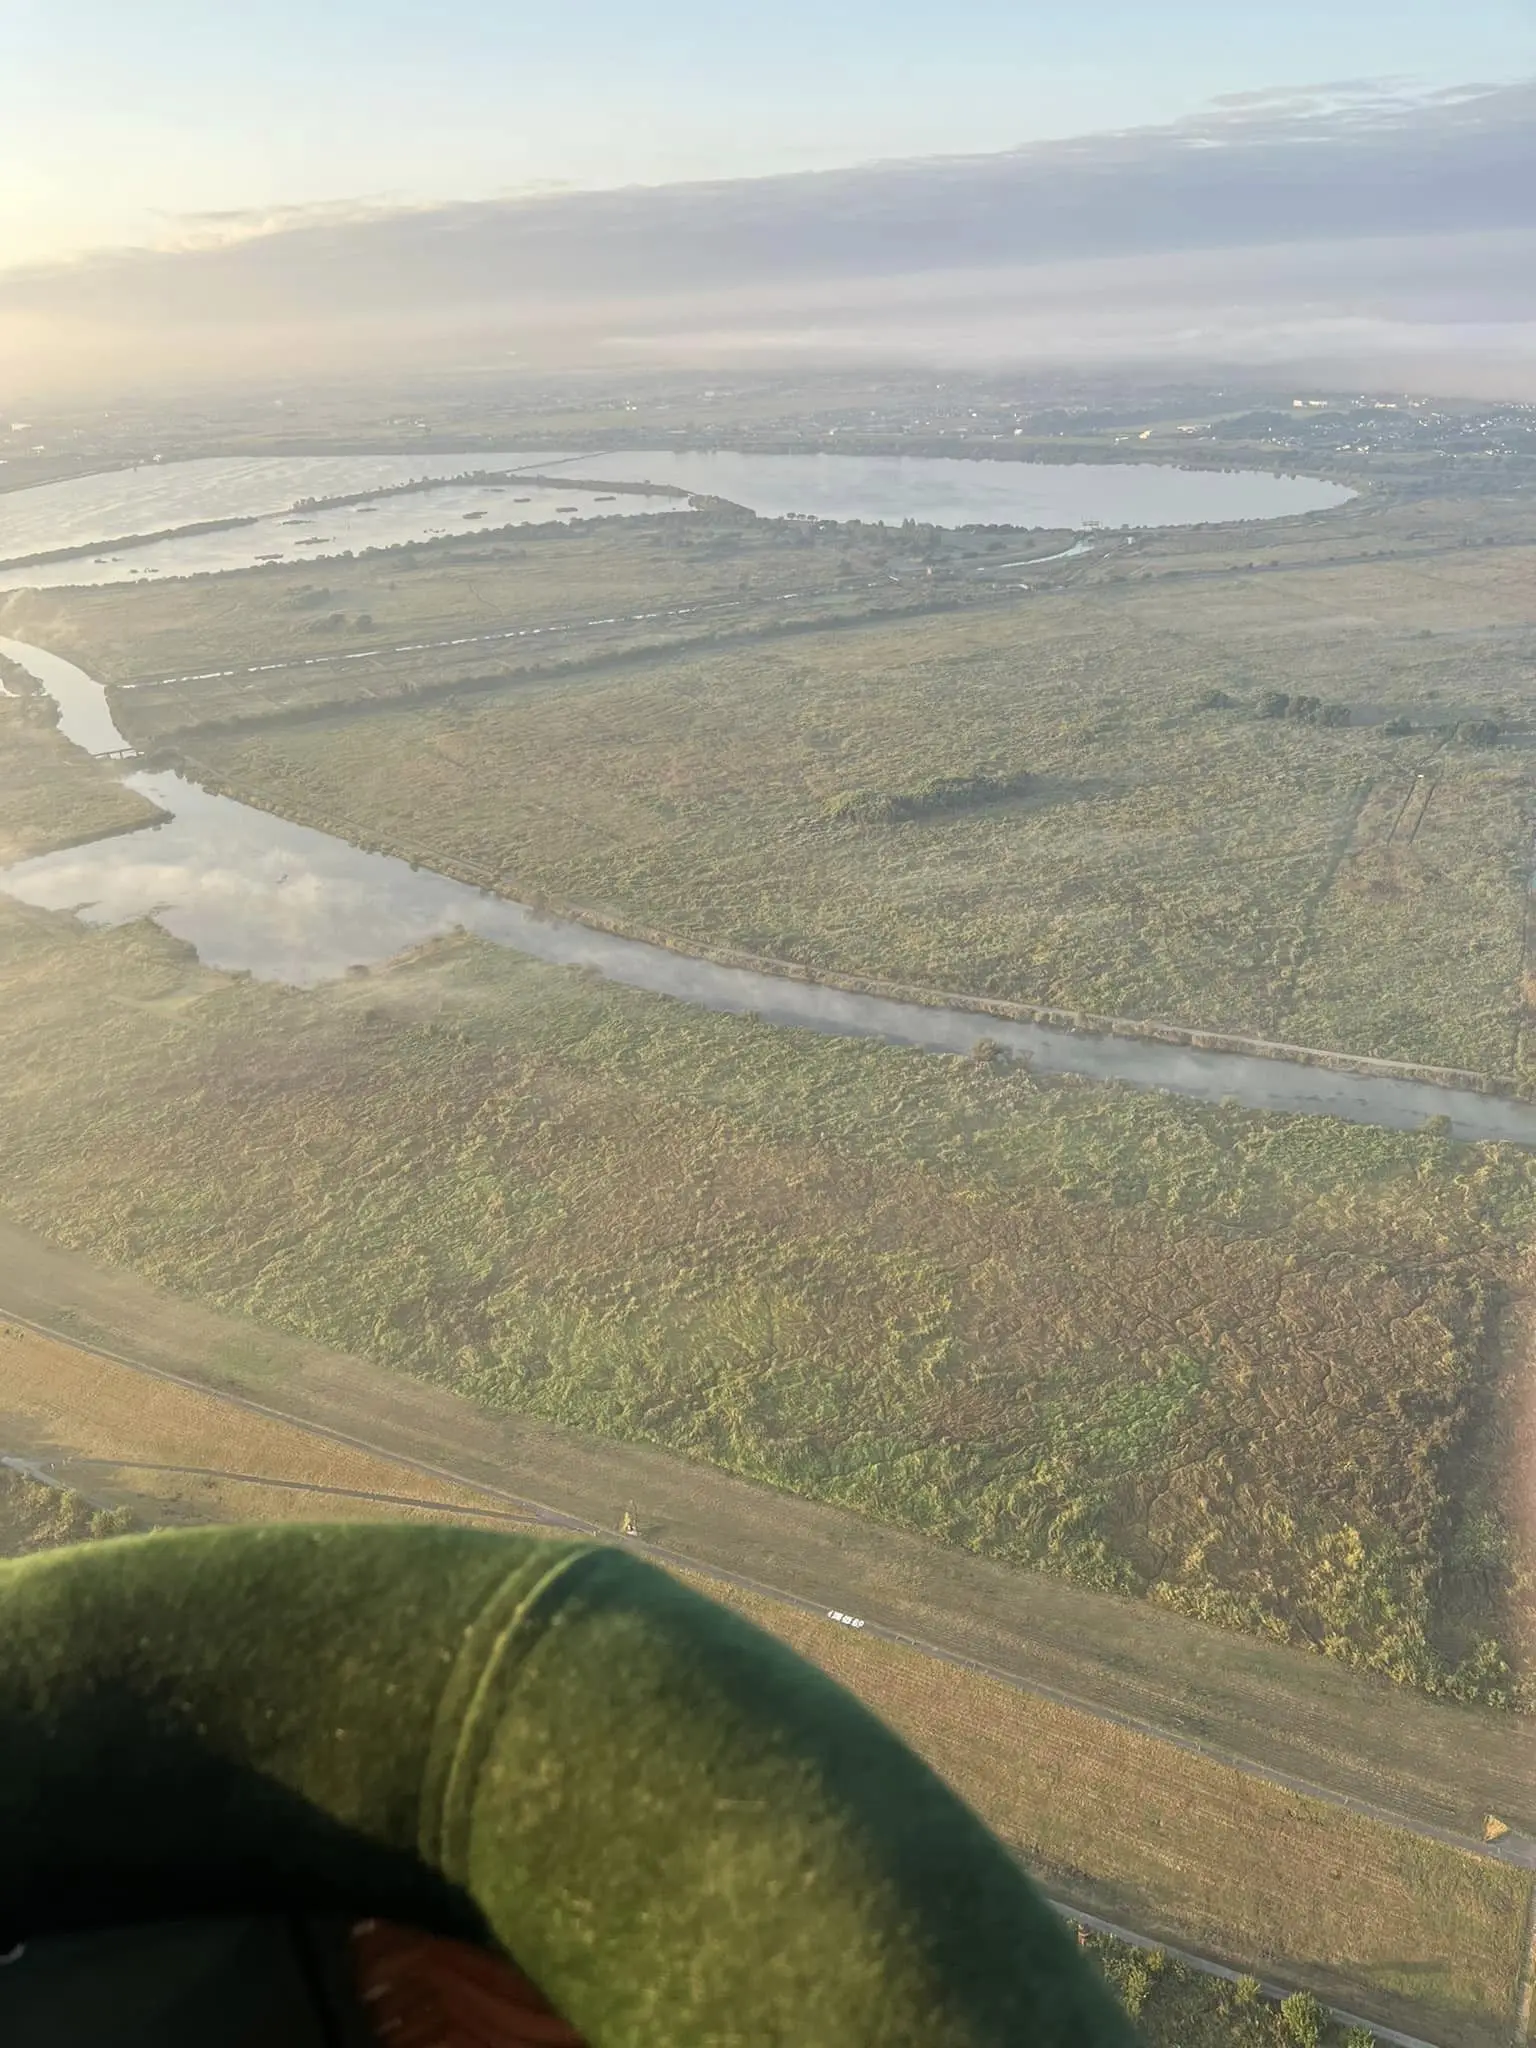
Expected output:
(257, 894)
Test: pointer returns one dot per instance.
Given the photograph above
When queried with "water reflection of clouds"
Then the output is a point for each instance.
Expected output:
(90, 510)
(251, 893)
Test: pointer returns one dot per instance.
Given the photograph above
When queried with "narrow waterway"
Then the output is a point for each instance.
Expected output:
(257, 894)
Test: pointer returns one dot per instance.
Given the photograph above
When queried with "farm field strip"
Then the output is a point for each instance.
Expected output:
(59, 1470)
(270, 1428)
(549, 628)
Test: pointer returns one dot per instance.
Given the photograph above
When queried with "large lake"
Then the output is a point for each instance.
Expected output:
(257, 894)
(99, 515)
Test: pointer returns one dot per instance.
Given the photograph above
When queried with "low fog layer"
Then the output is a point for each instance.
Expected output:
(1359, 231)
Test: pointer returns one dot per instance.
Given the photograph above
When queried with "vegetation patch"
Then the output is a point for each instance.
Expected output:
(1236, 1366)
(50, 796)
(1176, 2005)
(1266, 878)
(930, 799)
(34, 1516)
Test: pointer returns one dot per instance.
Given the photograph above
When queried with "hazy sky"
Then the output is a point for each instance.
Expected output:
(123, 123)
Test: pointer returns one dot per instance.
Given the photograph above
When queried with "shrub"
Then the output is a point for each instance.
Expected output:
(1303, 2019)
(1478, 732)
(1273, 704)
(927, 799)
(107, 1522)
(1136, 1986)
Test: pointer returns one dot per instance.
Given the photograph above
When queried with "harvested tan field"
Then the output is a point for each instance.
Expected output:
(104, 1427)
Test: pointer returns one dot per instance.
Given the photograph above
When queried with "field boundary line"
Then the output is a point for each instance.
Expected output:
(1525, 1992)
(1519, 1853)
(53, 1472)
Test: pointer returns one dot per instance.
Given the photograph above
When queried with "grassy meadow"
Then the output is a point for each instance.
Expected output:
(282, 641)
(1164, 856)
(1246, 1369)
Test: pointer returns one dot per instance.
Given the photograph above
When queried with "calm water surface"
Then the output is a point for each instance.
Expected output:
(954, 491)
(256, 894)
(101, 512)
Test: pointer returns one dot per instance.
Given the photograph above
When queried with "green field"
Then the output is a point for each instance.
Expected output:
(1157, 855)
(1266, 1373)
(1251, 1370)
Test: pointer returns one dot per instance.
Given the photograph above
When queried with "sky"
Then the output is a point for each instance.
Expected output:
(179, 122)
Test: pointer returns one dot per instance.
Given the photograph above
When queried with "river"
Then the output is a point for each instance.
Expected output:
(257, 894)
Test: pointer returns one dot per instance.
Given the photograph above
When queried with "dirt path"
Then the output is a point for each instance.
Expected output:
(1299, 1719)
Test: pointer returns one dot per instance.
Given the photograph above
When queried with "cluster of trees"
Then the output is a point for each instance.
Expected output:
(335, 622)
(924, 799)
(1308, 710)
(1137, 1976)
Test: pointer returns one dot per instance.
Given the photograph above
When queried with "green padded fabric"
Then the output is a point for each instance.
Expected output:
(683, 1832)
